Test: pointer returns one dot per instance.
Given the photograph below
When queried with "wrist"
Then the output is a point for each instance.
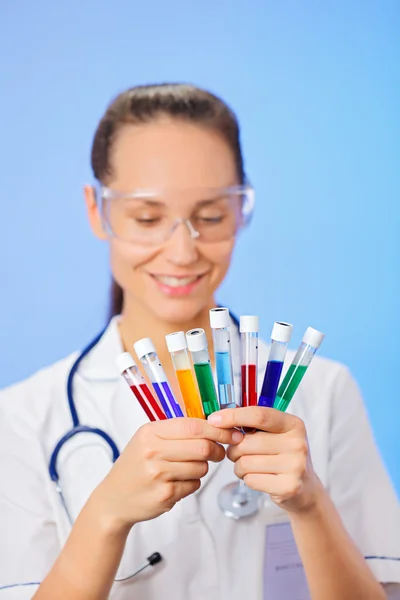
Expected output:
(105, 520)
(314, 504)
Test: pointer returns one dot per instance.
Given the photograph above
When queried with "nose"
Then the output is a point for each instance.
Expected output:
(181, 249)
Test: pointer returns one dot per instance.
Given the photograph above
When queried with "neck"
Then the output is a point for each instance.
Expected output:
(137, 322)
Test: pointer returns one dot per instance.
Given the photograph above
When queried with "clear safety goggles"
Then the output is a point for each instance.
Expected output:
(146, 217)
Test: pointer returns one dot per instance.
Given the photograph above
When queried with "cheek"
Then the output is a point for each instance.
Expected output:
(219, 255)
(124, 258)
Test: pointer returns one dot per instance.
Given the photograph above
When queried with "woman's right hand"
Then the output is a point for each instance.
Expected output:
(163, 463)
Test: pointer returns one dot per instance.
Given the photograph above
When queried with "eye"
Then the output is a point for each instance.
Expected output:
(146, 221)
(210, 220)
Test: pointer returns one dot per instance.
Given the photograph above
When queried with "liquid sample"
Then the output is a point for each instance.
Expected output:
(145, 397)
(205, 382)
(289, 386)
(167, 399)
(224, 379)
(270, 383)
(249, 385)
(190, 394)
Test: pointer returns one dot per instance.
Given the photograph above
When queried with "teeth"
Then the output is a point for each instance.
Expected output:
(175, 282)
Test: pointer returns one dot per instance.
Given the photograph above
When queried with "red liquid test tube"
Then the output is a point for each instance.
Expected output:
(130, 372)
(249, 359)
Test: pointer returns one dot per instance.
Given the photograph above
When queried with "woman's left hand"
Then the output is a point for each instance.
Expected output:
(276, 458)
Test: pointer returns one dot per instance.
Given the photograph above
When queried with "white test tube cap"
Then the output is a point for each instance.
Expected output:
(313, 337)
(281, 332)
(124, 361)
(143, 347)
(176, 341)
(196, 340)
(249, 324)
(219, 318)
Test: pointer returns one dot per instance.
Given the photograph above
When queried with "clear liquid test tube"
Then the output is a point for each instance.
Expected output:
(280, 338)
(312, 340)
(130, 372)
(198, 347)
(146, 351)
(177, 346)
(220, 325)
(249, 359)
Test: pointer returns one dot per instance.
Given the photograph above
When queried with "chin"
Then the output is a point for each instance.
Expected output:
(179, 312)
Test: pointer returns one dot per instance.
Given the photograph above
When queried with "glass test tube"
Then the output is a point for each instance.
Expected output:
(280, 337)
(220, 322)
(177, 346)
(249, 359)
(130, 372)
(146, 351)
(312, 340)
(197, 344)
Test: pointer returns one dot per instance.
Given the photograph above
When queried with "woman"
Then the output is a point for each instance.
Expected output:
(170, 201)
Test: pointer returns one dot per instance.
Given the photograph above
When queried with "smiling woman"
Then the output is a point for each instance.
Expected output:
(170, 199)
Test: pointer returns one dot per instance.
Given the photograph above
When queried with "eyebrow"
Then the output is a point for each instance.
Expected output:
(152, 202)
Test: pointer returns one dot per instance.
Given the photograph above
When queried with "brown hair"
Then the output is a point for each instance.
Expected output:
(142, 104)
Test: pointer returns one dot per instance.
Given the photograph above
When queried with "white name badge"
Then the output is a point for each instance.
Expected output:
(284, 577)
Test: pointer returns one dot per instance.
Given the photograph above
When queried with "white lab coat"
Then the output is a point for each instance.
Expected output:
(205, 554)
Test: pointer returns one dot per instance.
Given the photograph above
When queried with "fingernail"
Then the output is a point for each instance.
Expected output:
(237, 436)
(214, 419)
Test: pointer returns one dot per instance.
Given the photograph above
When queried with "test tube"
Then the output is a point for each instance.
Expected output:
(220, 322)
(130, 372)
(249, 359)
(197, 344)
(312, 340)
(177, 346)
(280, 337)
(146, 351)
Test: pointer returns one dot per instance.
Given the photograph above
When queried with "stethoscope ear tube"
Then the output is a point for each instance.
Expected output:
(152, 560)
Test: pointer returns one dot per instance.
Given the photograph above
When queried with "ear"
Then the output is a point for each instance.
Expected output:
(93, 212)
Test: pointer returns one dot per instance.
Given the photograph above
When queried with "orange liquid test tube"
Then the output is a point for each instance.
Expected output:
(177, 346)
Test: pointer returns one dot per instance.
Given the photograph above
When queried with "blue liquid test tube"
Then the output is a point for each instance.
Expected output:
(280, 338)
(147, 354)
(220, 324)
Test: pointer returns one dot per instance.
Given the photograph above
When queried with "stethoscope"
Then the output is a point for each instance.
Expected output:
(78, 428)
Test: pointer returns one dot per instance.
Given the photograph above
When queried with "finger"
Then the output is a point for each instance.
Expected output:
(259, 417)
(185, 471)
(184, 428)
(185, 488)
(282, 486)
(267, 465)
(171, 492)
(191, 450)
(264, 442)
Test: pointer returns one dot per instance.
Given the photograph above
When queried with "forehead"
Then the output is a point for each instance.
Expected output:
(170, 154)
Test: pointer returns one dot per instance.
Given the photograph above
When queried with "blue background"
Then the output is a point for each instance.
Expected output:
(316, 88)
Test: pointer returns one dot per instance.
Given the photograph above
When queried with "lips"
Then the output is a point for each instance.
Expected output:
(173, 286)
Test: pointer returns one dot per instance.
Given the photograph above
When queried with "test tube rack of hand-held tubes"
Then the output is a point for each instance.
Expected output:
(204, 391)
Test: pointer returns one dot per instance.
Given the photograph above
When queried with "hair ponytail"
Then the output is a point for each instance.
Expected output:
(116, 298)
